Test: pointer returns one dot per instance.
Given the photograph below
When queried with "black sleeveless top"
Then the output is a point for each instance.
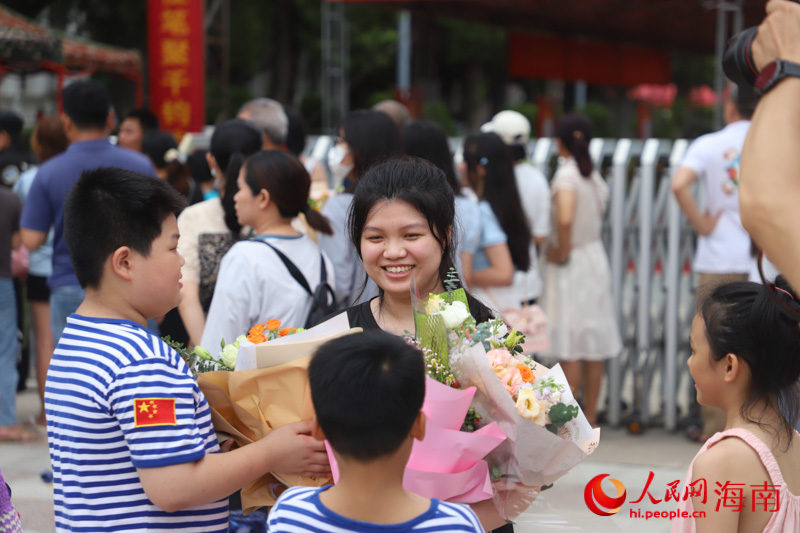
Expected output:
(360, 316)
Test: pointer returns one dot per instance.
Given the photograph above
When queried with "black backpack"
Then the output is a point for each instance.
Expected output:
(323, 299)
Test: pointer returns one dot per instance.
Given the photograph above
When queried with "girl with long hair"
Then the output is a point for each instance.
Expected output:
(428, 140)
(254, 284)
(505, 233)
(744, 361)
(365, 138)
(208, 229)
(401, 225)
(576, 275)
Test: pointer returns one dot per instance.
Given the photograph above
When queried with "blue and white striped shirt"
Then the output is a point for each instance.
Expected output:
(100, 370)
(299, 509)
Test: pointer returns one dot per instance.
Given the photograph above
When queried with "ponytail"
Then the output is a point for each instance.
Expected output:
(231, 188)
(575, 132)
(317, 221)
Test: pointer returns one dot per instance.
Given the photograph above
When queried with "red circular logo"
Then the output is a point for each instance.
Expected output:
(596, 499)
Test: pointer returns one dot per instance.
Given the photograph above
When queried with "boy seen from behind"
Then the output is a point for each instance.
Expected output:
(368, 391)
(130, 434)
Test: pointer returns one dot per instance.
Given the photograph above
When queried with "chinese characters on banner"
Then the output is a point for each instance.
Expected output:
(176, 60)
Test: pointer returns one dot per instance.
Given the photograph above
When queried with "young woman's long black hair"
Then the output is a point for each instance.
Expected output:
(423, 186)
(231, 142)
(575, 132)
(372, 137)
(428, 140)
(499, 188)
(287, 181)
(744, 318)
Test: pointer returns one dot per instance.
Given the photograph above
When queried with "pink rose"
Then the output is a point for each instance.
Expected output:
(499, 358)
(511, 379)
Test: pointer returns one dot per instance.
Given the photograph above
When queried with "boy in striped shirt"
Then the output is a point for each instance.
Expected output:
(367, 391)
(130, 434)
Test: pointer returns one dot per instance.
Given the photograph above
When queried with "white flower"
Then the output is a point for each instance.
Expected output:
(202, 353)
(454, 314)
(530, 407)
(501, 330)
(239, 340)
(229, 355)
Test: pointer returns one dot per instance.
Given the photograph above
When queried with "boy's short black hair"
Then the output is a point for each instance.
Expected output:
(87, 103)
(367, 391)
(148, 120)
(111, 207)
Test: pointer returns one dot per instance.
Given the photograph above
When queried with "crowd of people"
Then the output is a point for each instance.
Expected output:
(115, 246)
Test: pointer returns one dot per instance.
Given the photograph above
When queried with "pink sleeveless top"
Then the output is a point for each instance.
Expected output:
(786, 518)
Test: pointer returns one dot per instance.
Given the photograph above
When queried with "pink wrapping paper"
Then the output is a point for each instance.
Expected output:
(447, 464)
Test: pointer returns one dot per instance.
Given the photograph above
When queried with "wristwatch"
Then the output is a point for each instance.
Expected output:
(774, 72)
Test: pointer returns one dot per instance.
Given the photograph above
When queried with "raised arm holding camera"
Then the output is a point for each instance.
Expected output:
(770, 163)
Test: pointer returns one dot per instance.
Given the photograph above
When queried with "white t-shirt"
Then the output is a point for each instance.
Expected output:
(535, 195)
(254, 286)
(715, 160)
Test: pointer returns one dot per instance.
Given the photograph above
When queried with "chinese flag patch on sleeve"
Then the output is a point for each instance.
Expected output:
(154, 412)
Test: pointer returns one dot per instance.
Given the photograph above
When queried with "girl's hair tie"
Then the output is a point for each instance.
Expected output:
(577, 134)
(784, 291)
(174, 154)
(483, 161)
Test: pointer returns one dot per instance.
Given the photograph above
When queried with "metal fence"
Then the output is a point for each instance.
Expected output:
(650, 246)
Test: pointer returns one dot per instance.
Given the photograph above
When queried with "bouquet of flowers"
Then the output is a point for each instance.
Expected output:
(547, 435)
(199, 360)
(259, 383)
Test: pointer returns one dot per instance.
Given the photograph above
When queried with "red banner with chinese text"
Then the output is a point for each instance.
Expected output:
(176, 64)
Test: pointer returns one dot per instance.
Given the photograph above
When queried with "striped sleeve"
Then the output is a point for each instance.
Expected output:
(155, 404)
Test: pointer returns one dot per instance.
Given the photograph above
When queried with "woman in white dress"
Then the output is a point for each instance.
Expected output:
(576, 275)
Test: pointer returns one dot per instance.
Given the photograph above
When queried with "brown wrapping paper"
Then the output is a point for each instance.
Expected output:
(248, 404)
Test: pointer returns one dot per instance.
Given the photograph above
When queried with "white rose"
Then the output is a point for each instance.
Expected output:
(229, 355)
(239, 340)
(502, 330)
(454, 314)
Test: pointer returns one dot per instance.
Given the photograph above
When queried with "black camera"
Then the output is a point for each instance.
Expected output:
(737, 63)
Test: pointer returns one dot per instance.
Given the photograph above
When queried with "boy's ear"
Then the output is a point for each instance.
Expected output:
(316, 430)
(418, 427)
(120, 262)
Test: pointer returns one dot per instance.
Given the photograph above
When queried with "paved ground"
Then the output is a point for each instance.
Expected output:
(625, 457)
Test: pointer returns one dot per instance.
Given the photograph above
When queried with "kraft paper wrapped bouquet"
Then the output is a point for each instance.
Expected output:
(267, 389)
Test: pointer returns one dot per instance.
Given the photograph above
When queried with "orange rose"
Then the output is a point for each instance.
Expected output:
(286, 331)
(258, 338)
(273, 324)
(257, 329)
(526, 373)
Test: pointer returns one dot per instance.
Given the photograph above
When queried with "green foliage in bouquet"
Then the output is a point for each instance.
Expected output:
(559, 415)
(200, 360)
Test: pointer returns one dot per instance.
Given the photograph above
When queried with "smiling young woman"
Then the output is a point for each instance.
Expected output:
(401, 225)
